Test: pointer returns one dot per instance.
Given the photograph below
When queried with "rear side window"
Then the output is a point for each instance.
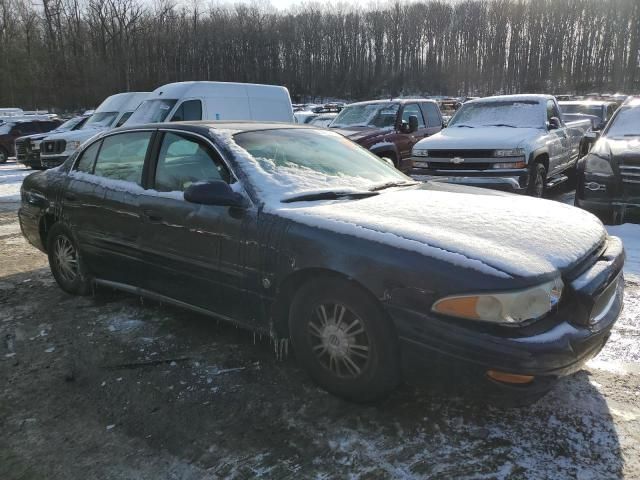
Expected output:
(188, 110)
(413, 109)
(431, 112)
(122, 156)
(88, 158)
(184, 160)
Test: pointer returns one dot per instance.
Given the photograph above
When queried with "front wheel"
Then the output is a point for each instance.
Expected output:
(537, 178)
(4, 155)
(65, 261)
(344, 339)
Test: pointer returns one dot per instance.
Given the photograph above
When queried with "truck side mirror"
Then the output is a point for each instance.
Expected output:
(413, 123)
(554, 123)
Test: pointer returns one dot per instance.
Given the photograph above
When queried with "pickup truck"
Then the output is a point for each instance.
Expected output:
(518, 143)
(390, 128)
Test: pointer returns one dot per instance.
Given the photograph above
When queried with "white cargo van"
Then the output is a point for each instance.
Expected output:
(112, 113)
(180, 101)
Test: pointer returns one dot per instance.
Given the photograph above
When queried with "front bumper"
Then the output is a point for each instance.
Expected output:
(599, 193)
(30, 159)
(555, 346)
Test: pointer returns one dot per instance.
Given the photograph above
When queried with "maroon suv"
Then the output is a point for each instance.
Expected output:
(11, 129)
(390, 128)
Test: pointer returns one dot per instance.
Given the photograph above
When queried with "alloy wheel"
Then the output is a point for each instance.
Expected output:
(339, 340)
(66, 259)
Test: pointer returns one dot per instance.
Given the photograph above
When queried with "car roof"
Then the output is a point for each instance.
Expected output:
(586, 102)
(394, 100)
(203, 125)
(535, 97)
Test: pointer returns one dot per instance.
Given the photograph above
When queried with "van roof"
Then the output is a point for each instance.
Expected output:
(121, 102)
(216, 89)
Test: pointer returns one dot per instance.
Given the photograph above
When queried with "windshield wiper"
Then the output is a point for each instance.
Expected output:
(382, 186)
(632, 134)
(502, 125)
(328, 195)
(462, 125)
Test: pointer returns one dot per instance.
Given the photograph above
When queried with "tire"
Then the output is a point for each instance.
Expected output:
(537, 178)
(344, 340)
(65, 261)
(4, 155)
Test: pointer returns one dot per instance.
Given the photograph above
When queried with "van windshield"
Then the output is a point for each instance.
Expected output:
(152, 111)
(101, 120)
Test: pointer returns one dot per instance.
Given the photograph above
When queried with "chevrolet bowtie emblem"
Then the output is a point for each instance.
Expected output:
(457, 160)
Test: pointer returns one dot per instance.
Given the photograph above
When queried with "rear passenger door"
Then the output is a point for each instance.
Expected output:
(192, 252)
(108, 210)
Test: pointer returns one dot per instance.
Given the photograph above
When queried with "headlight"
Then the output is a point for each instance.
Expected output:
(511, 307)
(35, 145)
(73, 145)
(419, 152)
(599, 165)
(510, 165)
(513, 152)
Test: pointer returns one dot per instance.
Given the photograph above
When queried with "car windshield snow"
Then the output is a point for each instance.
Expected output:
(152, 111)
(520, 113)
(376, 115)
(101, 119)
(625, 124)
(283, 163)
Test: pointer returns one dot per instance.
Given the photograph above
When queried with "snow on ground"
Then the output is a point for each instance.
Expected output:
(11, 176)
(630, 235)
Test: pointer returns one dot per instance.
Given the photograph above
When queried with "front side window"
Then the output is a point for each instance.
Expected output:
(188, 110)
(122, 156)
(413, 109)
(184, 160)
(88, 158)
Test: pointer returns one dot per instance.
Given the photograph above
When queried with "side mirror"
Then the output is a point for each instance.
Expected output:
(554, 123)
(213, 193)
(413, 123)
(591, 136)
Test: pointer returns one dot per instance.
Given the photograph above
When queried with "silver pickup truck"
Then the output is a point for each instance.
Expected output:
(518, 143)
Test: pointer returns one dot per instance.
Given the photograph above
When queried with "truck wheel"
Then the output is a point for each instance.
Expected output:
(390, 156)
(4, 155)
(537, 178)
(65, 261)
(344, 340)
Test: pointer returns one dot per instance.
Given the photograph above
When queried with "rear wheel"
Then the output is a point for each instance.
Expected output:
(344, 340)
(65, 261)
(537, 178)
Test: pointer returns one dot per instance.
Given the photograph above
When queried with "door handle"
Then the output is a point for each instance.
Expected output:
(151, 216)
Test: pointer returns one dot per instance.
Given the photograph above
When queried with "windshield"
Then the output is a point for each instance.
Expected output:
(625, 124)
(378, 115)
(70, 124)
(152, 111)
(522, 114)
(287, 162)
(583, 109)
(101, 119)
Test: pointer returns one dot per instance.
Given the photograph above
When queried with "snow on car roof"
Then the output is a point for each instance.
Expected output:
(514, 98)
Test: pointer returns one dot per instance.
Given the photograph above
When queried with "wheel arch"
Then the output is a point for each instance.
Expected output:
(47, 221)
(289, 287)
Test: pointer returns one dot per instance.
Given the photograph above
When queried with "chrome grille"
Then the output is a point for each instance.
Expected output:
(630, 173)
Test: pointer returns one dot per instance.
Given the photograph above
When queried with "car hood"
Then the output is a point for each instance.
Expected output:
(617, 147)
(462, 138)
(498, 234)
(76, 135)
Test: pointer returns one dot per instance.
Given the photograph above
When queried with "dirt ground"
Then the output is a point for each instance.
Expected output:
(110, 387)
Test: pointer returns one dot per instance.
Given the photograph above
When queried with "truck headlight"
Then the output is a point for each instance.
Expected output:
(35, 145)
(510, 165)
(420, 152)
(599, 165)
(73, 145)
(507, 307)
(512, 152)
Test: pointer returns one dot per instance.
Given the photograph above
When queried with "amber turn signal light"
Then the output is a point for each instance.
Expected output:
(510, 377)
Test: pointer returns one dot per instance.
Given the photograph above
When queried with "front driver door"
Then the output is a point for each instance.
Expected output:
(193, 253)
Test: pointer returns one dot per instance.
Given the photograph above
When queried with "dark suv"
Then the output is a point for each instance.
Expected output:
(27, 148)
(10, 130)
(390, 128)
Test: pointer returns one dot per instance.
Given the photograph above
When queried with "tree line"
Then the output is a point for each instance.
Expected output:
(73, 53)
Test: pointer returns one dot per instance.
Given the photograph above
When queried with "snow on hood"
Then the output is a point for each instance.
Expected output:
(75, 135)
(461, 138)
(617, 146)
(358, 133)
(513, 236)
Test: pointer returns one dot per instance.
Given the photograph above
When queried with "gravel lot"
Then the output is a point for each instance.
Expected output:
(108, 386)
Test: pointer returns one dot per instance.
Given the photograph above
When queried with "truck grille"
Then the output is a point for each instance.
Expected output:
(21, 149)
(438, 165)
(461, 153)
(630, 173)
